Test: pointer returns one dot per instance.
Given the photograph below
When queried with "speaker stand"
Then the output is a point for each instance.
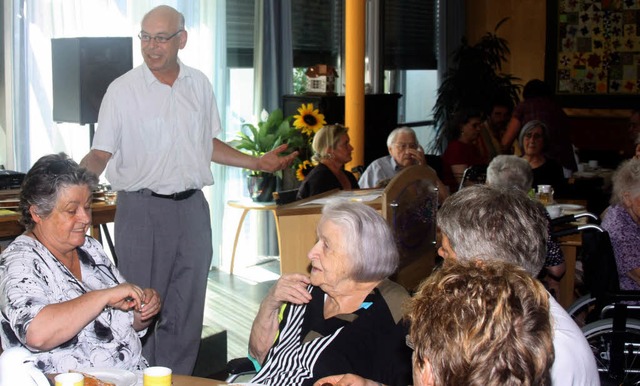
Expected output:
(92, 131)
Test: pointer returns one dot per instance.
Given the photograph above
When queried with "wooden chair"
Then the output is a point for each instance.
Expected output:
(409, 204)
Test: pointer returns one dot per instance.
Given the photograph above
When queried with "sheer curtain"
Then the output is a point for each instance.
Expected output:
(36, 22)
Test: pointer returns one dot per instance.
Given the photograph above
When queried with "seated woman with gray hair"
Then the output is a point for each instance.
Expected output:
(622, 221)
(345, 317)
(510, 171)
(60, 295)
(534, 141)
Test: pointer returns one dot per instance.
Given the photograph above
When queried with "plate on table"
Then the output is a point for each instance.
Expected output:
(572, 208)
(116, 376)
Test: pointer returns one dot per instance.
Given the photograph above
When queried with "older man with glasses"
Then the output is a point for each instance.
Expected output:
(156, 137)
(404, 150)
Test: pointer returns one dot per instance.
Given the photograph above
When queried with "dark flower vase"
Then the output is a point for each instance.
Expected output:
(261, 187)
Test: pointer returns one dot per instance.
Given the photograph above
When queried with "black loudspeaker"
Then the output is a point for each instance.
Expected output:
(83, 68)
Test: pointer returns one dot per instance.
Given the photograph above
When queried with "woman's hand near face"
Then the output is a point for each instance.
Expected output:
(291, 288)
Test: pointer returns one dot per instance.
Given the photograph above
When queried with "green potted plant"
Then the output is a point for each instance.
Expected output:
(257, 139)
(474, 81)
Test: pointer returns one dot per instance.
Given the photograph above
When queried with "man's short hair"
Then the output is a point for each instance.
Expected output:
(482, 323)
(391, 139)
(487, 222)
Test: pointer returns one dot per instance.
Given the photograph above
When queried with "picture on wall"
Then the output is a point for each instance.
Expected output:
(596, 48)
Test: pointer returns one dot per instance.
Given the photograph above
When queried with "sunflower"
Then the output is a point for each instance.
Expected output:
(303, 169)
(309, 120)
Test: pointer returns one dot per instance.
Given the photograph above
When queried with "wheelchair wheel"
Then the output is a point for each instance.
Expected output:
(581, 310)
(599, 335)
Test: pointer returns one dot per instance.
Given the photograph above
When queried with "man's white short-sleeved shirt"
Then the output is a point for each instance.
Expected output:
(160, 136)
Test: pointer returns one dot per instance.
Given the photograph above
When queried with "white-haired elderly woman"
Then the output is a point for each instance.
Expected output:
(60, 295)
(332, 150)
(345, 317)
(534, 141)
(622, 221)
(510, 171)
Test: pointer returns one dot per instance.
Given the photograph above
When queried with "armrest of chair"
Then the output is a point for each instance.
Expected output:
(240, 365)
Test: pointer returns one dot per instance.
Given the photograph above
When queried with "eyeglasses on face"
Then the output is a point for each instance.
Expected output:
(146, 38)
(533, 136)
(405, 146)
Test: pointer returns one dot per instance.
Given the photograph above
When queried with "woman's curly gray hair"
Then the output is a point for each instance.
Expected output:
(626, 179)
(44, 181)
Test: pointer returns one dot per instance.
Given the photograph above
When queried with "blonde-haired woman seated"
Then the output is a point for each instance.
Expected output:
(332, 151)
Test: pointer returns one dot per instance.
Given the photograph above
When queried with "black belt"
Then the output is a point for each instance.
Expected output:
(176, 196)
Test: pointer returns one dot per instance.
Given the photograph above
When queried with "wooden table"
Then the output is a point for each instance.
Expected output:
(246, 206)
(101, 214)
(185, 380)
(569, 245)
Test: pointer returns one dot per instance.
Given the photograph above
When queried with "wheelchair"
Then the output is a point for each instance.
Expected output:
(610, 320)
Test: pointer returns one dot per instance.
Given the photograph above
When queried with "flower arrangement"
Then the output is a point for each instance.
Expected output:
(273, 129)
(308, 122)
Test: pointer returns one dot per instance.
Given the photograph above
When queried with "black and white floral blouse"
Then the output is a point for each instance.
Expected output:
(32, 278)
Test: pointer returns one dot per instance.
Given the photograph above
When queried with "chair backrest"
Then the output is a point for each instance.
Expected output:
(409, 204)
(476, 174)
(599, 264)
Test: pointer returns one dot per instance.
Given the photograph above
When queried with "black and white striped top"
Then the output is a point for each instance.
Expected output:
(369, 342)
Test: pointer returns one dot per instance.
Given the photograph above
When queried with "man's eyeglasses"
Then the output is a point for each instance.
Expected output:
(158, 38)
(405, 146)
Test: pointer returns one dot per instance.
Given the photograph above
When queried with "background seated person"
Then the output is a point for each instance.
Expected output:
(534, 137)
(493, 128)
(461, 152)
(332, 151)
(622, 221)
(501, 331)
(60, 295)
(539, 104)
(346, 317)
(510, 171)
(404, 150)
(637, 143)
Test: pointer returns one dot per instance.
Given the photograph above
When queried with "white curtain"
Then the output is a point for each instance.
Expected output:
(36, 22)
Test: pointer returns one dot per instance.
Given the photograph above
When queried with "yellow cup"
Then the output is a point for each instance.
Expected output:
(69, 379)
(157, 376)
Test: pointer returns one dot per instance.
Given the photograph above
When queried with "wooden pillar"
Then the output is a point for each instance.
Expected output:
(355, 11)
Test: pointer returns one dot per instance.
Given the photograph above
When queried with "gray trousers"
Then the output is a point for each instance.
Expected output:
(166, 245)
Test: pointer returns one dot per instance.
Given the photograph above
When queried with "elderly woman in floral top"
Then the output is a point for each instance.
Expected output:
(60, 295)
(622, 221)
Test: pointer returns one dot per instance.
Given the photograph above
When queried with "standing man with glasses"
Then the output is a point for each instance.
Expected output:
(404, 151)
(156, 138)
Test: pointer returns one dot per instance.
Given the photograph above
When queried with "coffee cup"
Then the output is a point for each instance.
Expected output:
(582, 166)
(593, 164)
(156, 376)
(69, 379)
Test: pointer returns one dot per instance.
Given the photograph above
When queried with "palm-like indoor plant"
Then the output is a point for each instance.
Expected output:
(271, 131)
(474, 81)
